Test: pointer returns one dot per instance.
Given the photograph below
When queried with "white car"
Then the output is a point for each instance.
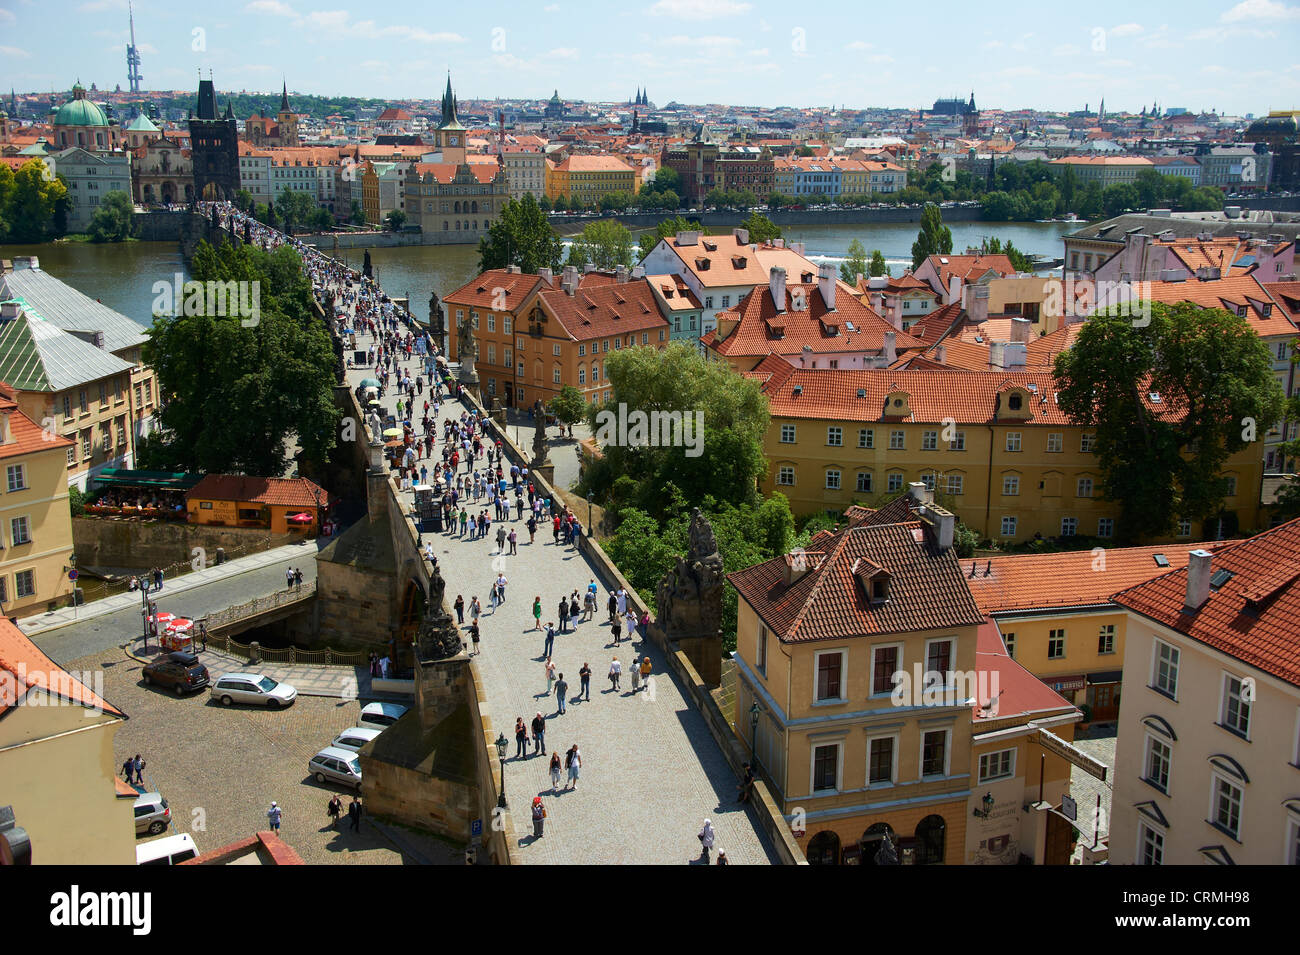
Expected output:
(252, 688)
(380, 716)
(336, 765)
(356, 737)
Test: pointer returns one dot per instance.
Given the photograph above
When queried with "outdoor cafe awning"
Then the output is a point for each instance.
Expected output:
(164, 480)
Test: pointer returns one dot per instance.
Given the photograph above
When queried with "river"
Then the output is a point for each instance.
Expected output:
(122, 275)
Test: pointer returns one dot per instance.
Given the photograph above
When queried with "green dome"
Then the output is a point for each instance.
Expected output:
(80, 112)
(142, 124)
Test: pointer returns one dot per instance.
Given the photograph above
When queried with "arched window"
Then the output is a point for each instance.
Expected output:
(824, 849)
(457, 209)
(930, 834)
(873, 842)
(457, 225)
(582, 374)
(473, 207)
(445, 225)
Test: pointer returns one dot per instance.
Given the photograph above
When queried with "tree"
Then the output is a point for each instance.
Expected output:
(243, 200)
(761, 228)
(1163, 461)
(569, 405)
(1119, 198)
(878, 266)
(36, 203)
(855, 263)
(725, 459)
(237, 395)
(935, 238)
(544, 203)
(112, 221)
(606, 244)
(666, 229)
(1204, 199)
(775, 201)
(715, 198)
(1019, 260)
(357, 215)
(322, 220)
(804, 151)
(521, 237)
(395, 220)
(295, 208)
(666, 180)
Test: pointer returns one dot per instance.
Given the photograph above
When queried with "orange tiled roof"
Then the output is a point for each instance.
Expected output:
(1227, 293)
(970, 267)
(445, 172)
(29, 668)
(278, 492)
(1251, 616)
(583, 163)
(721, 260)
(1071, 579)
(481, 291)
(1020, 693)
(602, 310)
(28, 437)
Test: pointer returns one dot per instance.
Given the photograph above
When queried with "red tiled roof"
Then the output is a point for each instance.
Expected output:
(1071, 579)
(445, 172)
(277, 492)
(1020, 693)
(604, 309)
(969, 267)
(1227, 293)
(481, 291)
(826, 602)
(28, 437)
(1252, 616)
(27, 667)
(267, 846)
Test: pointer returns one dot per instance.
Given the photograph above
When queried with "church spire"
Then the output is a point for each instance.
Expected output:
(284, 97)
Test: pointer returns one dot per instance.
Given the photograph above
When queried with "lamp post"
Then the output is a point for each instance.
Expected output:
(144, 611)
(502, 745)
(988, 807)
(754, 712)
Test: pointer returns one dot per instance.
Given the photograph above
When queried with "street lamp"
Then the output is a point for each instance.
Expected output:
(988, 807)
(502, 745)
(145, 605)
(754, 712)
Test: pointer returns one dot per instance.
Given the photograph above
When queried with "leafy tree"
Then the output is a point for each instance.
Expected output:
(522, 237)
(357, 215)
(237, 395)
(578, 255)
(295, 208)
(679, 379)
(244, 200)
(36, 203)
(878, 266)
(1018, 259)
(1204, 199)
(7, 188)
(775, 201)
(855, 263)
(804, 151)
(715, 198)
(76, 500)
(605, 243)
(395, 220)
(761, 228)
(1119, 198)
(935, 238)
(544, 203)
(569, 405)
(112, 221)
(1217, 392)
(322, 220)
(666, 180)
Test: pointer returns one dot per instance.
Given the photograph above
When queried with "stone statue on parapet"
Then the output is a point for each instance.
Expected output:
(466, 350)
(541, 457)
(438, 636)
(689, 597)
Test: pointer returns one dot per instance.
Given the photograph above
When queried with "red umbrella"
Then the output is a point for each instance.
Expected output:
(303, 518)
(180, 625)
(163, 617)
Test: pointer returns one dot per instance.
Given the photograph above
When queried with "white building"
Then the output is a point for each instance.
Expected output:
(90, 176)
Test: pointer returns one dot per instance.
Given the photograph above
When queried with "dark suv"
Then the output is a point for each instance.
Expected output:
(179, 670)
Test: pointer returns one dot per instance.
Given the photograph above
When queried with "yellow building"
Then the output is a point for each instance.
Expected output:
(35, 519)
(57, 767)
(589, 178)
(1011, 464)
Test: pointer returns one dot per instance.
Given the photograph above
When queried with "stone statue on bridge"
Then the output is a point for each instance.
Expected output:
(438, 636)
(366, 269)
(467, 351)
(541, 456)
(689, 597)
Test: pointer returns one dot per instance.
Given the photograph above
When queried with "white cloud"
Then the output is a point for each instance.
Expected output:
(1126, 29)
(1066, 49)
(1260, 10)
(761, 52)
(1221, 34)
(16, 52)
(698, 9)
(563, 53)
(880, 58)
(274, 7)
(703, 43)
(858, 45)
(7, 16)
(551, 8)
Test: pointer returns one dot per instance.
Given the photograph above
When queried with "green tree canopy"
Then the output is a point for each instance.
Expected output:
(878, 266)
(605, 243)
(1162, 462)
(112, 221)
(522, 237)
(666, 229)
(855, 262)
(35, 204)
(395, 220)
(569, 405)
(761, 228)
(295, 208)
(237, 395)
(935, 238)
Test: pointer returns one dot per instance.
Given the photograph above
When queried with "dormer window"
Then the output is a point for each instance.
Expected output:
(874, 580)
(1014, 402)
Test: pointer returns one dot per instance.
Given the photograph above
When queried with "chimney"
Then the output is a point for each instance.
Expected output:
(570, 280)
(798, 247)
(941, 354)
(919, 493)
(688, 238)
(954, 290)
(797, 563)
(620, 273)
(26, 262)
(1020, 330)
(589, 268)
(778, 243)
(776, 281)
(1014, 356)
(939, 524)
(513, 270)
(742, 236)
(857, 280)
(546, 275)
(9, 310)
(997, 354)
(826, 276)
(977, 303)
(1198, 579)
(638, 271)
(891, 348)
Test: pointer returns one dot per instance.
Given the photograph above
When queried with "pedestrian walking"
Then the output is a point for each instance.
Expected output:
(588, 606)
(475, 608)
(707, 837)
(617, 629)
(612, 606)
(635, 670)
(354, 814)
(573, 762)
(335, 810)
(630, 620)
(573, 609)
(550, 640)
(722, 857)
(288, 578)
(460, 609)
(532, 529)
(550, 675)
(501, 537)
(521, 738)
(615, 672)
(584, 680)
(555, 772)
(297, 578)
(539, 817)
(474, 636)
(537, 612)
(645, 672)
(273, 817)
(138, 765)
(128, 769)
(539, 733)
(564, 615)
(514, 542)
(561, 692)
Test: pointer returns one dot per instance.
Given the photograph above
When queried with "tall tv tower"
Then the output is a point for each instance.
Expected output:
(133, 76)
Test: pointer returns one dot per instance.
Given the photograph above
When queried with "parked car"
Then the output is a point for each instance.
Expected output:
(356, 737)
(151, 814)
(336, 765)
(380, 716)
(253, 688)
(170, 850)
(179, 670)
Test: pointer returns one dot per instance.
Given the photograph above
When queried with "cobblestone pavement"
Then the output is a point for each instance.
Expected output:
(651, 772)
(220, 767)
(1084, 787)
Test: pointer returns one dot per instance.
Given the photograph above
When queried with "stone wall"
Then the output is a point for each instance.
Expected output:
(105, 542)
(354, 606)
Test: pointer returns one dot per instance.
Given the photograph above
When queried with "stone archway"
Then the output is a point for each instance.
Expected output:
(873, 839)
(413, 609)
(824, 849)
(931, 838)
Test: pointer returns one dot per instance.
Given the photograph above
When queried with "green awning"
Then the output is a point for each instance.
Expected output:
(125, 477)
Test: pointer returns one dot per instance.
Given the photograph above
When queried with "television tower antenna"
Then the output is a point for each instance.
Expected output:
(133, 77)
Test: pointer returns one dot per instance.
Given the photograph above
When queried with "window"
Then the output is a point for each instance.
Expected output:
(67, 406)
(830, 665)
(1106, 638)
(1085, 443)
(958, 442)
(1010, 485)
(1165, 678)
(519, 343)
(929, 440)
(938, 657)
(708, 301)
(726, 301)
(761, 656)
(106, 435)
(934, 753)
(1105, 527)
(787, 433)
(82, 404)
(1055, 644)
(582, 374)
(121, 431)
(1235, 714)
(491, 353)
(785, 475)
(1084, 487)
(832, 479)
(1010, 640)
(492, 322)
(618, 344)
(509, 357)
(555, 374)
(25, 583)
(87, 438)
(864, 482)
(1013, 440)
(999, 765)
(1009, 526)
(20, 531)
(1230, 486)
(928, 481)
(884, 664)
(1156, 764)
(826, 765)
(505, 325)
(880, 760)
(866, 438)
(1184, 528)
(1055, 441)
(896, 441)
(17, 474)
(895, 482)
(72, 456)
(1151, 846)
(1225, 805)
(1069, 526)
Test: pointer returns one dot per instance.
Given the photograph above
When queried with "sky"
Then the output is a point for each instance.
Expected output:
(1234, 57)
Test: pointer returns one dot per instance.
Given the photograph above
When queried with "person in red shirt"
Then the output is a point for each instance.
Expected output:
(555, 528)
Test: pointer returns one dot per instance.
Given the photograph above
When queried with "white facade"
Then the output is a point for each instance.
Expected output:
(90, 176)
(525, 173)
(255, 176)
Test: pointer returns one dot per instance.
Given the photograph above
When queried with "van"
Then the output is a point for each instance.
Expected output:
(170, 850)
